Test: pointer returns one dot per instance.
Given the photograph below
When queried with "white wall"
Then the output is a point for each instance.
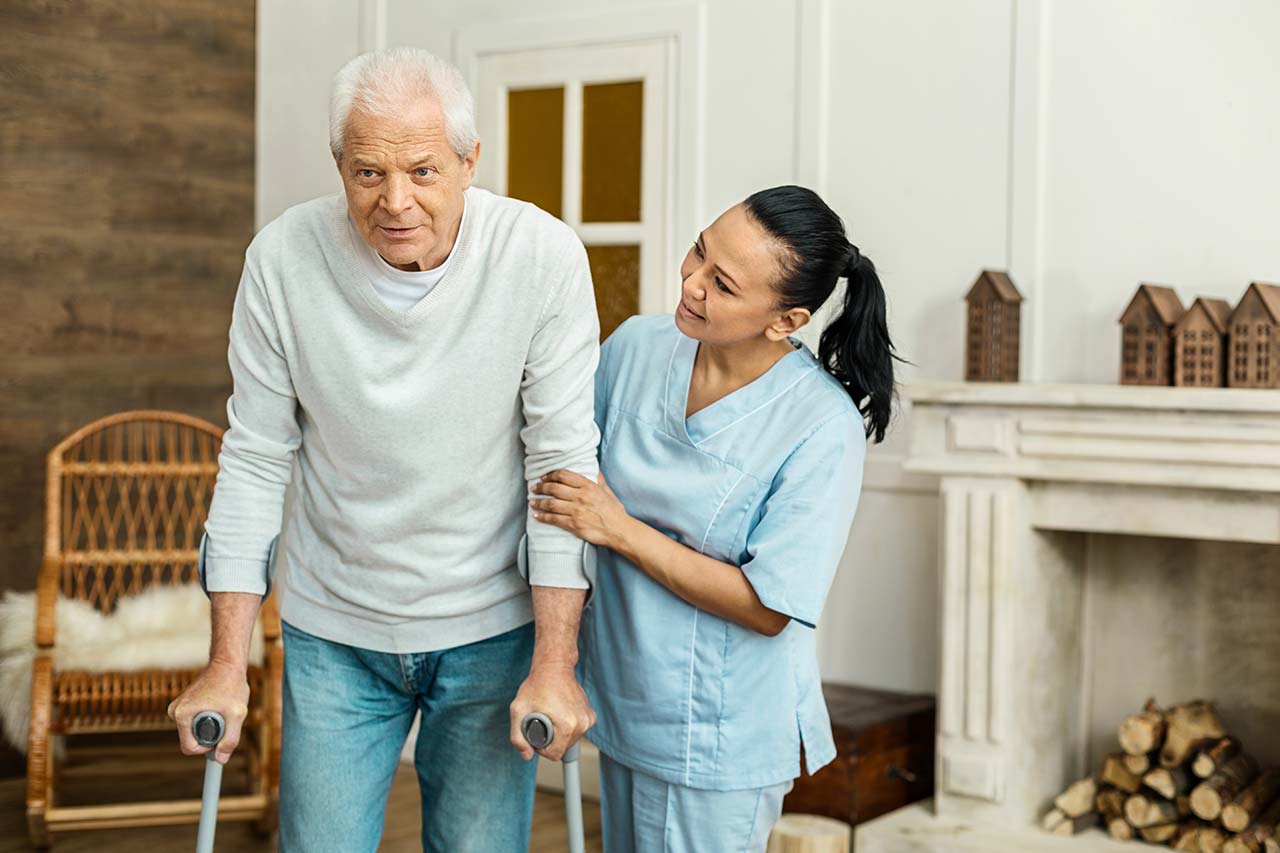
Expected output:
(1083, 145)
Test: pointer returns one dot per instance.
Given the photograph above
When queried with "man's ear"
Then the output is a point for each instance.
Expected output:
(788, 323)
(469, 164)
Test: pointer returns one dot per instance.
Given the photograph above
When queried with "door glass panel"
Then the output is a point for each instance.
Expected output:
(535, 146)
(615, 270)
(612, 124)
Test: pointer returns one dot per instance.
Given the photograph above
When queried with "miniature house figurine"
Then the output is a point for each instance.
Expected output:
(1199, 344)
(1254, 338)
(995, 306)
(1147, 339)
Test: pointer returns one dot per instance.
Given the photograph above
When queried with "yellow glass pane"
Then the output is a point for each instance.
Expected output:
(535, 146)
(612, 125)
(615, 270)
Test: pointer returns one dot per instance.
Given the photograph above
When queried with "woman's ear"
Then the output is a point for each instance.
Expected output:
(788, 323)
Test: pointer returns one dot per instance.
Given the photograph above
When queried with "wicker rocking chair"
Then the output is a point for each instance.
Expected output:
(126, 502)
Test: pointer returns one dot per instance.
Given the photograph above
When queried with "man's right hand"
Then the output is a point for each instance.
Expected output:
(220, 687)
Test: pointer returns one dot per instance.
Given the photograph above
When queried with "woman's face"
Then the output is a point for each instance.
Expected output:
(727, 295)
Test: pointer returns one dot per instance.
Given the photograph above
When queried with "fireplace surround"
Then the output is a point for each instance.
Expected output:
(1054, 501)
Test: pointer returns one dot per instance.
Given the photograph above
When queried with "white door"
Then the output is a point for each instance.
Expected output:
(583, 133)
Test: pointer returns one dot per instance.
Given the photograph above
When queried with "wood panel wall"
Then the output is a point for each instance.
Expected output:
(126, 203)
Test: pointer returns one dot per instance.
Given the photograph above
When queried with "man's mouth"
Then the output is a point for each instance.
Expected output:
(399, 232)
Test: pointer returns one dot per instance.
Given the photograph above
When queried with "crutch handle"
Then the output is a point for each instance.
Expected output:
(208, 728)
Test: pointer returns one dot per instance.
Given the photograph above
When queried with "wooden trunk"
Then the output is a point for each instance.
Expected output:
(884, 755)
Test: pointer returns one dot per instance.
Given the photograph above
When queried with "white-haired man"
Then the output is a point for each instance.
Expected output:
(416, 351)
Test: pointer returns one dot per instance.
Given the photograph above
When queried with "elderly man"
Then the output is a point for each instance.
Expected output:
(413, 353)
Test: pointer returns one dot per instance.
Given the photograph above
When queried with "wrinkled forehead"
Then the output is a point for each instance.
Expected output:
(416, 132)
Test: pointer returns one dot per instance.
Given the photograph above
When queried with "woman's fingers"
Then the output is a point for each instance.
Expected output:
(555, 490)
(563, 521)
(568, 478)
(552, 505)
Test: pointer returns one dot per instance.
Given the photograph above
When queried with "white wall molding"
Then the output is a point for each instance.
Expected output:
(1028, 80)
(373, 25)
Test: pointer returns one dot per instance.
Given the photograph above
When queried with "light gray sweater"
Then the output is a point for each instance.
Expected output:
(414, 434)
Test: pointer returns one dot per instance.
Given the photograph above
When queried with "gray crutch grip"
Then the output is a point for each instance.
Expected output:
(208, 727)
(539, 731)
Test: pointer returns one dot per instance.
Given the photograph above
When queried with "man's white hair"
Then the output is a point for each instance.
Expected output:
(383, 82)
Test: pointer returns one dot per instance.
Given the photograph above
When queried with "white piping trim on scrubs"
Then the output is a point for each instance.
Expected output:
(768, 402)
(693, 637)
(667, 396)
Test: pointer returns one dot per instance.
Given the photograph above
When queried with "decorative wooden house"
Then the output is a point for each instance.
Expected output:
(1253, 333)
(1146, 353)
(991, 345)
(1200, 344)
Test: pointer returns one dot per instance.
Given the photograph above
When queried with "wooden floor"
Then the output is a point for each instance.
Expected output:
(399, 836)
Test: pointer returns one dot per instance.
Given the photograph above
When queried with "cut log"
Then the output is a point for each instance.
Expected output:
(1214, 756)
(1051, 820)
(1186, 728)
(1264, 833)
(1119, 829)
(1159, 834)
(1212, 839)
(1143, 811)
(1213, 794)
(1187, 838)
(1169, 783)
(1184, 805)
(1077, 799)
(1143, 732)
(1140, 764)
(1072, 826)
(1110, 803)
(1240, 812)
(1116, 774)
(1242, 844)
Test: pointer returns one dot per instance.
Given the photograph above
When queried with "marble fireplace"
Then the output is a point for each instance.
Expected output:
(1099, 545)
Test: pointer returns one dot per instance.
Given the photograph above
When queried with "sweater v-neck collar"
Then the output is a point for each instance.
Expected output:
(353, 275)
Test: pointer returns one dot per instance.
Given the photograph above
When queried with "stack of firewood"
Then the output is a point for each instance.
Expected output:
(1181, 781)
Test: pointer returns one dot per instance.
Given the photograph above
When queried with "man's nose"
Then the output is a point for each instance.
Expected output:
(396, 197)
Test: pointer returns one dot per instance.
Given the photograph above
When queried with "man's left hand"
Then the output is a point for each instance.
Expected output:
(553, 690)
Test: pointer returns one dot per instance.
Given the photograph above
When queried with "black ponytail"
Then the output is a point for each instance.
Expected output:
(855, 347)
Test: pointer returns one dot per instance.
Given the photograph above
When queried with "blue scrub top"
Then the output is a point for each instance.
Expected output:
(767, 479)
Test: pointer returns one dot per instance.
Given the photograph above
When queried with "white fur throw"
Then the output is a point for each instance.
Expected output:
(165, 627)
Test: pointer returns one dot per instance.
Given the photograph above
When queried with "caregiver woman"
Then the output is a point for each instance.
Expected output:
(731, 461)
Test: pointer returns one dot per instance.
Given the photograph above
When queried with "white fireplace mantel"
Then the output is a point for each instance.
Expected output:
(1015, 461)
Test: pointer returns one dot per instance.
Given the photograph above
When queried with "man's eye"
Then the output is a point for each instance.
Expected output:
(365, 173)
(422, 172)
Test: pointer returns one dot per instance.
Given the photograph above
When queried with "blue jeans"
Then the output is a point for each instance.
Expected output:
(347, 712)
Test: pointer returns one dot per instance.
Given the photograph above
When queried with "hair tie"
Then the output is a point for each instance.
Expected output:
(855, 258)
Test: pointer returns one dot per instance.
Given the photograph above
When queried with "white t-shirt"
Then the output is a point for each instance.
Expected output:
(400, 289)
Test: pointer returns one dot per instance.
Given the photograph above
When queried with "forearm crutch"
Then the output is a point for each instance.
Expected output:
(208, 728)
(539, 732)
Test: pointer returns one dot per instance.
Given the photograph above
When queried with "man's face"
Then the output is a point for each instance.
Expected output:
(404, 184)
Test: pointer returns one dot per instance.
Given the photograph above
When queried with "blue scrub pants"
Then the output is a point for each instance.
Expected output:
(347, 712)
(642, 814)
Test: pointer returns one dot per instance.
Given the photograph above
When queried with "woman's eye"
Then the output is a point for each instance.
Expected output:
(721, 286)
(697, 250)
